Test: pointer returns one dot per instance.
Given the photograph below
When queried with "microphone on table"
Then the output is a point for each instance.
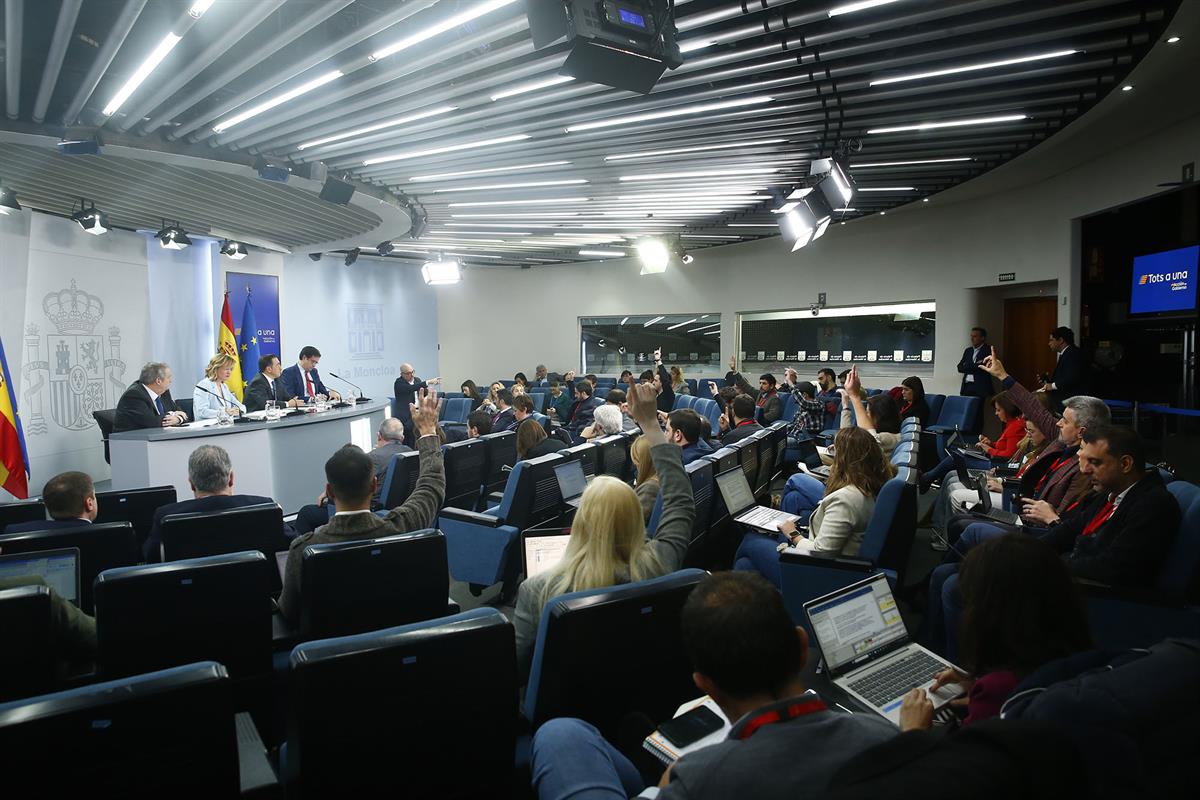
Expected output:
(360, 399)
(223, 400)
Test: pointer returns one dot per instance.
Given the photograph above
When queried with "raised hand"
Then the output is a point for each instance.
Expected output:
(853, 384)
(993, 366)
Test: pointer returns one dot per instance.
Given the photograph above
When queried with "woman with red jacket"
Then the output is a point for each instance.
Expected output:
(1004, 447)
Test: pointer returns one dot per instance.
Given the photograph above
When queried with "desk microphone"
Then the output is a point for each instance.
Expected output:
(360, 399)
(214, 394)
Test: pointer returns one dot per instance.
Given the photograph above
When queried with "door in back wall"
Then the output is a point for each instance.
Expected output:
(1027, 325)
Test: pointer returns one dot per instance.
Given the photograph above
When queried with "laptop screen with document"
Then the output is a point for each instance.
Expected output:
(855, 621)
(571, 480)
(58, 568)
(543, 551)
(735, 490)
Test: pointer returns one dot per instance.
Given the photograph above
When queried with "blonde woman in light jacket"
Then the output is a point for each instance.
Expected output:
(216, 375)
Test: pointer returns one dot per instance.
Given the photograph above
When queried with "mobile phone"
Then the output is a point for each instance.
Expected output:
(690, 727)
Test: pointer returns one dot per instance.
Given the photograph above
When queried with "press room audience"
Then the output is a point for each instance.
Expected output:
(606, 420)
(1011, 436)
(809, 419)
(70, 500)
(738, 421)
(678, 384)
(686, 429)
(504, 419)
(608, 544)
(616, 397)
(748, 656)
(479, 423)
(147, 402)
(768, 399)
(645, 483)
(912, 390)
(878, 415)
(532, 441)
(471, 391)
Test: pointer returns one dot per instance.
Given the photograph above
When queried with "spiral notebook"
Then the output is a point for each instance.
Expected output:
(668, 753)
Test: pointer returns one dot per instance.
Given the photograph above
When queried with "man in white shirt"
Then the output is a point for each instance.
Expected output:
(267, 386)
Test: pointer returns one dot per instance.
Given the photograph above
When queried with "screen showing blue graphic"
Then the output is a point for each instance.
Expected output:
(1165, 282)
(630, 18)
(265, 291)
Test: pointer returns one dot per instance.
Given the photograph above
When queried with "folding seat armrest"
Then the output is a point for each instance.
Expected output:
(940, 428)
(474, 517)
(820, 559)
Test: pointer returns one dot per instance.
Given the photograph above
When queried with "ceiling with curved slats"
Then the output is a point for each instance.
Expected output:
(446, 103)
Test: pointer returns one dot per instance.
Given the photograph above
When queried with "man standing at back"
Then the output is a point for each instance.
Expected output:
(302, 379)
(748, 657)
(210, 474)
(976, 382)
(350, 483)
(1070, 372)
(70, 499)
(405, 391)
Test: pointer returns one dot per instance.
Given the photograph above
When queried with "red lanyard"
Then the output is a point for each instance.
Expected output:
(790, 711)
(745, 422)
(1101, 517)
(1053, 469)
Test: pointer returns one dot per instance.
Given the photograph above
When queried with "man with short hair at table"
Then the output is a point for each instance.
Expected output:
(147, 402)
(267, 386)
(302, 379)
(70, 500)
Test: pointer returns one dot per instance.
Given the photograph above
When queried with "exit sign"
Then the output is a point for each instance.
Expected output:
(1006, 277)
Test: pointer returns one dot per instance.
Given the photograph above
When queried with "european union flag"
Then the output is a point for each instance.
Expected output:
(248, 346)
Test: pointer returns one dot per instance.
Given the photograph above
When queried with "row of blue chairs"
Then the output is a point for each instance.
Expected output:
(704, 406)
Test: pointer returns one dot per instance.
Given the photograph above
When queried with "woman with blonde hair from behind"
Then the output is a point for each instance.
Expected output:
(608, 544)
(645, 483)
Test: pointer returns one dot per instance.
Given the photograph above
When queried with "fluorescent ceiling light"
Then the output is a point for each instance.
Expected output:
(472, 255)
(625, 320)
(292, 94)
(440, 273)
(706, 236)
(655, 319)
(887, 188)
(696, 44)
(141, 73)
(199, 7)
(681, 324)
(538, 215)
(861, 5)
(603, 253)
(712, 173)
(532, 87)
(673, 151)
(705, 327)
(937, 73)
(913, 163)
(476, 10)
(954, 123)
(681, 111)
(751, 225)
(542, 201)
(494, 186)
(444, 176)
(845, 210)
(450, 148)
(497, 225)
(391, 123)
(481, 233)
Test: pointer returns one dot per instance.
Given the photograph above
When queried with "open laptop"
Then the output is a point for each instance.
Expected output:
(956, 442)
(867, 649)
(571, 481)
(544, 549)
(967, 476)
(58, 568)
(986, 509)
(739, 499)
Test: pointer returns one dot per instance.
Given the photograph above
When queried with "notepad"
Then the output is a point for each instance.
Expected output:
(667, 753)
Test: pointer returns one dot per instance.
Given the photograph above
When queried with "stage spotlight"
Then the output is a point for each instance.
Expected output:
(91, 220)
(352, 256)
(385, 248)
(272, 171)
(79, 147)
(654, 256)
(315, 256)
(8, 201)
(441, 273)
(687, 258)
(173, 237)
(235, 250)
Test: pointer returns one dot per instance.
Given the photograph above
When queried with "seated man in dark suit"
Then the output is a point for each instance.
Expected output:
(686, 428)
(583, 412)
(210, 474)
(147, 402)
(505, 419)
(70, 499)
(267, 386)
(748, 656)
(351, 482)
(742, 424)
(302, 379)
(1070, 376)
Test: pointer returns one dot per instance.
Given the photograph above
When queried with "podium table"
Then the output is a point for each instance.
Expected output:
(284, 459)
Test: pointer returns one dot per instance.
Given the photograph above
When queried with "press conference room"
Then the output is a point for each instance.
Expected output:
(599, 398)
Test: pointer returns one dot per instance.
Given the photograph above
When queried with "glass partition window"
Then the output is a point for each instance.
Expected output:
(692, 342)
(894, 333)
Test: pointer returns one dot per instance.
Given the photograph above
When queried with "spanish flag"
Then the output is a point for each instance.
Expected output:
(14, 457)
(227, 343)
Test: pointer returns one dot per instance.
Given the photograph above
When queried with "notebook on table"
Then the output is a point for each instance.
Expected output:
(867, 649)
(668, 753)
(58, 568)
(739, 499)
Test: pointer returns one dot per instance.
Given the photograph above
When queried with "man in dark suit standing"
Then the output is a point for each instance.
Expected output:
(1070, 373)
(210, 474)
(976, 382)
(267, 386)
(350, 483)
(405, 391)
(147, 402)
(70, 499)
(302, 379)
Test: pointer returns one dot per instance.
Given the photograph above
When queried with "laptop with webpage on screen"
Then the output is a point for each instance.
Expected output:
(58, 568)
(571, 481)
(544, 549)
(867, 649)
(739, 499)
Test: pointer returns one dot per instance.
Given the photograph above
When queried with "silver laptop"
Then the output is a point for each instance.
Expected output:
(58, 568)
(867, 649)
(571, 481)
(544, 549)
(956, 441)
(739, 499)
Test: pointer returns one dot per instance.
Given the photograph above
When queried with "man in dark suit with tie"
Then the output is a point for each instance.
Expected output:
(267, 386)
(405, 391)
(1070, 373)
(210, 474)
(976, 382)
(70, 499)
(302, 379)
(147, 402)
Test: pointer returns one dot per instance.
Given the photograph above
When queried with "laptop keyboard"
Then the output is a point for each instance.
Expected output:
(885, 685)
(762, 517)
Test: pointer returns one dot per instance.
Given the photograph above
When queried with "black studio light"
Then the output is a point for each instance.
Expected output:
(235, 250)
(173, 237)
(91, 219)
